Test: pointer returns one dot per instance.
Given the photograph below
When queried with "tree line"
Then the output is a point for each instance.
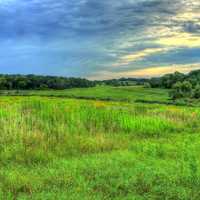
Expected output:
(122, 82)
(181, 85)
(34, 82)
(37, 82)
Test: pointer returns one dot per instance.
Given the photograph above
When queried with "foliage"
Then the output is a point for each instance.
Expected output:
(196, 93)
(122, 82)
(33, 82)
(177, 82)
(147, 85)
(167, 81)
(180, 90)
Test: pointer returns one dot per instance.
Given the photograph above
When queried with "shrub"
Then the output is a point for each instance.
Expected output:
(181, 90)
(196, 93)
(147, 85)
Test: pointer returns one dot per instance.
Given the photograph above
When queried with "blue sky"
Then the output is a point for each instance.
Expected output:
(99, 39)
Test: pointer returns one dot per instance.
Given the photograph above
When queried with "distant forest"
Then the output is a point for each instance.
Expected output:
(181, 85)
(33, 82)
(36, 82)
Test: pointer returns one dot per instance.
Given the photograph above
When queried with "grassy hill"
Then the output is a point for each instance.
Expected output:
(60, 148)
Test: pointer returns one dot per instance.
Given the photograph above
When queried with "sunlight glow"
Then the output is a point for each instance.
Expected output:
(180, 40)
(127, 59)
(159, 71)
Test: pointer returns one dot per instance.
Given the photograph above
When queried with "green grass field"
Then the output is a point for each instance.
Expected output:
(130, 93)
(71, 149)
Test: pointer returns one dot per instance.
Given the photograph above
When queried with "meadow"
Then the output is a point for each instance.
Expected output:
(66, 148)
(108, 93)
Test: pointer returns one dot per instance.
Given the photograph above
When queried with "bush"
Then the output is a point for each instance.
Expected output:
(147, 85)
(196, 93)
(181, 90)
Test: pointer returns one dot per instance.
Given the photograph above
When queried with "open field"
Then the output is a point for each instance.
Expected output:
(58, 148)
(130, 93)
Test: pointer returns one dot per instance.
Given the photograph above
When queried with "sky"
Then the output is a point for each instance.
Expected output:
(99, 39)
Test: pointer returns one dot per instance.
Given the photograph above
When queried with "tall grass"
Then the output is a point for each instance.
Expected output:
(76, 149)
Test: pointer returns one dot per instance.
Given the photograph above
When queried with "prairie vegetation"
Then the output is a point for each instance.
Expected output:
(58, 148)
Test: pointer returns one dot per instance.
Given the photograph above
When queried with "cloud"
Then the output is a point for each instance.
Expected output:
(153, 71)
(86, 37)
(139, 55)
(180, 40)
(159, 71)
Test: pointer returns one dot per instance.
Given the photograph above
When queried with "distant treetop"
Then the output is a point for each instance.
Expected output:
(34, 82)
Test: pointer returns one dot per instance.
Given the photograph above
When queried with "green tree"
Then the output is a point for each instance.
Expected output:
(22, 84)
(186, 88)
(3, 83)
(176, 92)
(147, 85)
(181, 90)
(196, 93)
